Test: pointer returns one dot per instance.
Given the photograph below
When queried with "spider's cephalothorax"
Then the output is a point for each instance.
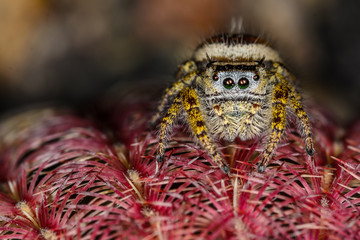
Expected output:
(234, 86)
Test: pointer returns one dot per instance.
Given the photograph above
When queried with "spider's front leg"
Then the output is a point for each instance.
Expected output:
(191, 106)
(278, 119)
(304, 121)
(166, 124)
(186, 75)
(295, 104)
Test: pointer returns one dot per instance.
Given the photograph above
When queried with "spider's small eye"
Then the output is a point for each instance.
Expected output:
(215, 77)
(243, 83)
(228, 83)
(256, 77)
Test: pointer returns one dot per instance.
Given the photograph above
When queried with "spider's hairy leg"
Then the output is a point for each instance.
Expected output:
(279, 101)
(295, 104)
(304, 121)
(166, 124)
(196, 120)
(186, 68)
(186, 75)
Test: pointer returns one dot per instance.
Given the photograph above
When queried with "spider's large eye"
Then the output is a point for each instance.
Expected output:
(228, 83)
(243, 83)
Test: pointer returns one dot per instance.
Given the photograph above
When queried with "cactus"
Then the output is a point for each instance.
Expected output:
(64, 176)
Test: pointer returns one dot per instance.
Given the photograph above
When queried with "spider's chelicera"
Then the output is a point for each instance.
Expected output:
(235, 85)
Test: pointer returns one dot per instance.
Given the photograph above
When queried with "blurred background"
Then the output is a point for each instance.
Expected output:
(73, 52)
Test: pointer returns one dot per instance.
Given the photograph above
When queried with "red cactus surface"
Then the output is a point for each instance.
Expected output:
(64, 176)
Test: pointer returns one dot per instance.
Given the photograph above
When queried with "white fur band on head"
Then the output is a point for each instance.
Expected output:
(236, 52)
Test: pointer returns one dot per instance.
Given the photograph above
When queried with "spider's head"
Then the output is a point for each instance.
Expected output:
(232, 78)
(234, 63)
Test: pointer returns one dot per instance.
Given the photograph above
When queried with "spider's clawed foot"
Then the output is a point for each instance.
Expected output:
(262, 165)
(310, 151)
(225, 168)
(261, 168)
(159, 158)
(310, 147)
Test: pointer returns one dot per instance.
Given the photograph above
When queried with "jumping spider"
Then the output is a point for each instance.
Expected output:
(235, 85)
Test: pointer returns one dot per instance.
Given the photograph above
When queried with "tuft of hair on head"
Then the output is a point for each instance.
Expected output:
(236, 25)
